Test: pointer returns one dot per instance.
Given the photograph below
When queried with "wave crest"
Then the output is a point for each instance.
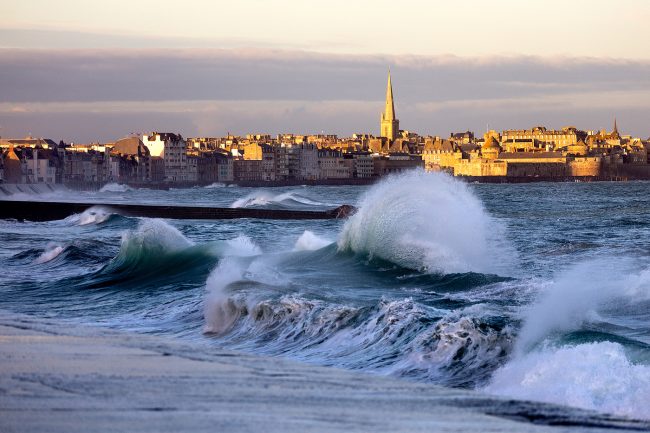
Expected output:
(52, 251)
(424, 221)
(595, 376)
(115, 187)
(267, 199)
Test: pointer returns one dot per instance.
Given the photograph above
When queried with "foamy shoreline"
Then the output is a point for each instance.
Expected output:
(59, 377)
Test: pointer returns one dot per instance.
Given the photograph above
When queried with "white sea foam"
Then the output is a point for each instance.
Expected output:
(242, 246)
(93, 215)
(215, 185)
(219, 311)
(426, 221)
(115, 187)
(265, 198)
(576, 294)
(155, 235)
(51, 252)
(308, 241)
(596, 376)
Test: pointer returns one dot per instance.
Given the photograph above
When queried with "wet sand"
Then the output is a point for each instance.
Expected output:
(57, 377)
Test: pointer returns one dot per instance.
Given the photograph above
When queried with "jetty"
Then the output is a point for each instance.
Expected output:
(54, 210)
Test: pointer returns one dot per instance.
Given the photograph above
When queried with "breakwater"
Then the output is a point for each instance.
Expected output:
(50, 211)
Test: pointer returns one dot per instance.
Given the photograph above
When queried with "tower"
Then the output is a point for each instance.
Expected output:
(615, 133)
(389, 124)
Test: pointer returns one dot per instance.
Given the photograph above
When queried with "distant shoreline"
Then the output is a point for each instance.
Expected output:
(8, 189)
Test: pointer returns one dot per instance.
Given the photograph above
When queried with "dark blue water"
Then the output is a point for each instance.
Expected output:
(537, 291)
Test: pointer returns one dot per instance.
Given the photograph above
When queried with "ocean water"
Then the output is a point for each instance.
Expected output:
(532, 291)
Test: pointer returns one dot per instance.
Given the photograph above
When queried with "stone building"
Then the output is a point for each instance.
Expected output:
(490, 149)
(173, 150)
(466, 137)
(130, 161)
(39, 165)
(396, 163)
(362, 164)
(308, 167)
(13, 169)
(440, 154)
(333, 165)
(247, 170)
(82, 167)
(215, 167)
(538, 138)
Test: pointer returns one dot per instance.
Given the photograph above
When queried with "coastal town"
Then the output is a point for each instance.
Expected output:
(164, 159)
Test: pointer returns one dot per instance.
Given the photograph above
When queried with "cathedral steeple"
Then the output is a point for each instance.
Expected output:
(389, 112)
(615, 133)
(389, 124)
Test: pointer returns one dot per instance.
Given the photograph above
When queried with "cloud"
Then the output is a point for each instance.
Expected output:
(212, 91)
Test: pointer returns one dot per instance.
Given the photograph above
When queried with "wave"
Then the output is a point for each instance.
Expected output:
(157, 255)
(290, 199)
(578, 341)
(396, 337)
(308, 241)
(52, 251)
(152, 240)
(215, 185)
(92, 215)
(252, 304)
(426, 221)
(578, 293)
(595, 376)
(115, 187)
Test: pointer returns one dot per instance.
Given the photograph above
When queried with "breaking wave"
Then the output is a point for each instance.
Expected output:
(290, 199)
(51, 252)
(565, 353)
(396, 337)
(595, 376)
(93, 215)
(215, 185)
(425, 221)
(308, 241)
(115, 187)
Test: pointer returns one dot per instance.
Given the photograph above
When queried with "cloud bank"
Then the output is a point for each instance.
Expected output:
(102, 94)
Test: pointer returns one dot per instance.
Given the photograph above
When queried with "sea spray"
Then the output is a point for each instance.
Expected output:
(595, 376)
(148, 249)
(424, 221)
(309, 241)
(599, 376)
(92, 215)
(241, 246)
(264, 198)
(576, 294)
(220, 312)
(115, 187)
(155, 235)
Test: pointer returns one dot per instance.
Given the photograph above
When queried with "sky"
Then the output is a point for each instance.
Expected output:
(86, 71)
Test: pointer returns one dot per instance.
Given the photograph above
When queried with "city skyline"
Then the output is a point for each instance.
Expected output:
(84, 77)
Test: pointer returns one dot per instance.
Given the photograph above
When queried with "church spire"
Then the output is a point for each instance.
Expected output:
(615, 127)
(389, 112)
(389, 124)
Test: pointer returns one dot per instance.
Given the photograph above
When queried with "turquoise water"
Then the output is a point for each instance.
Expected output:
(534, 291)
